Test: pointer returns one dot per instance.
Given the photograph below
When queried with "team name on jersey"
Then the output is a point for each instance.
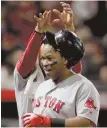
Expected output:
(50, 102)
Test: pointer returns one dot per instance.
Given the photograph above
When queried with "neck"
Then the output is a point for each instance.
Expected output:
(63, 75)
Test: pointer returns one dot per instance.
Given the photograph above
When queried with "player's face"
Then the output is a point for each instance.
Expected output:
(52, 62)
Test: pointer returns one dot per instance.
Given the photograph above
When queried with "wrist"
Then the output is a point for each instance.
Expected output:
(46, 121)
(56, 122)
(53, 122)
(38, 31)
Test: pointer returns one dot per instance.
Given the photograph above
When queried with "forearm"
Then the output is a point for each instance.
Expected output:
(27, 62)
(78, 122)
(71, 122)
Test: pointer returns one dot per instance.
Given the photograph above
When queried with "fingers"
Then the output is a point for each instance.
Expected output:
(26, 115)
(69, 10)
(27, 122)
(36, 18)
(45, 14)
(25, 119)
(66, 7)
(40, 15)
(49, 17)
(43, 22)
(57, 12)
(64, 4)
(28, 125)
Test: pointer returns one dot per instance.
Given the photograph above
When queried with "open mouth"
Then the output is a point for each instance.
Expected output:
(47, 69)
(47, 72)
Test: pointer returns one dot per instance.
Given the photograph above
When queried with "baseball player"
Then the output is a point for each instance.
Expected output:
(28, 78)
(65, 98)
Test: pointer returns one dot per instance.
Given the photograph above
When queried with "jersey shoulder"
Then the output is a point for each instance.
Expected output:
(87, 85)
(86, 81)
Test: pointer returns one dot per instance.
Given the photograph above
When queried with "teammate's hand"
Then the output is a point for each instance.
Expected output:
(34, 120)
(66, 16)
(43, 22)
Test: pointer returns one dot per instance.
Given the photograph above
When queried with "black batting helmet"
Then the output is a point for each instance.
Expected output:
(68, 44)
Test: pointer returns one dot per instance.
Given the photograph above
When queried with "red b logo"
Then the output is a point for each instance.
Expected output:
(90, 104)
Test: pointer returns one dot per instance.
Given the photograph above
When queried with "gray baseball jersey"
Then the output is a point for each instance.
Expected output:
(75, 96)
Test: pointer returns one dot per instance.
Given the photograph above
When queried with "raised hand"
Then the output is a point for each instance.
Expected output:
(66, 16)
(43, 21)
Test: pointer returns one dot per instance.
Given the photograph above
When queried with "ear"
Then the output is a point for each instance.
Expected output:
(65, 61)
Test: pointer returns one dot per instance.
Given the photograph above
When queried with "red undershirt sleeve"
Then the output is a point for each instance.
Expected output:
(27, 61)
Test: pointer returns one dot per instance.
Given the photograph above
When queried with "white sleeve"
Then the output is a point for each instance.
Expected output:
(88, 102)
(24, 90)
(34, 81)
(21, 99)
(20, 83)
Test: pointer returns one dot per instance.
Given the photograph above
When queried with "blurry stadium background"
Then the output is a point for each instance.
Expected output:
(17, 23)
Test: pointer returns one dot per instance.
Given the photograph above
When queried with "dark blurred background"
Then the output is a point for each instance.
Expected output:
(17, 23)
